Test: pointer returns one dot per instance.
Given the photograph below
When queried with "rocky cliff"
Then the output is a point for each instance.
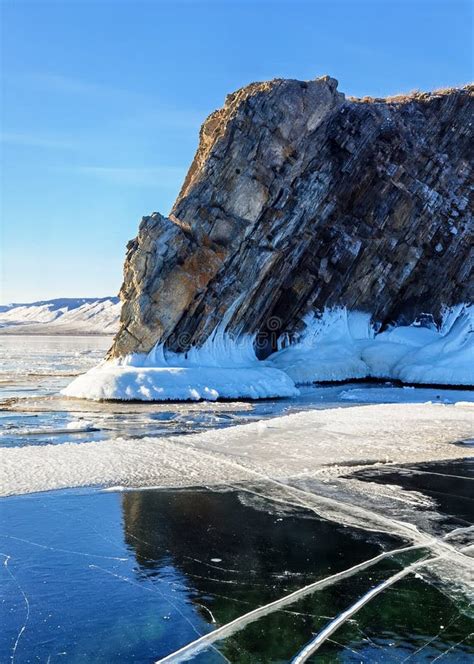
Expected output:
(299, 199)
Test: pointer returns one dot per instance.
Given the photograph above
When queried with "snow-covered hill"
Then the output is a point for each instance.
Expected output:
(62, 316)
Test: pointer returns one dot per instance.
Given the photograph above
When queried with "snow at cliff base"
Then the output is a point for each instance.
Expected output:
(336, 346)
(221, 369)
(343, 345)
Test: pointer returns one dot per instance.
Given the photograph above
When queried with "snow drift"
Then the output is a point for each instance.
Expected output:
(342, 345)
(222, 368)
(336, 346)
(113, 380)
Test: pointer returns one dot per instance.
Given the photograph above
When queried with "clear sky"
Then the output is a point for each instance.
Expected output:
(102, 102)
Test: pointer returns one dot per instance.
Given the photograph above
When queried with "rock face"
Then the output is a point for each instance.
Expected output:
(300, 199)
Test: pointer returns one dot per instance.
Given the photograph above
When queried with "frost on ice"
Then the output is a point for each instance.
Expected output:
(306, 445)
(339, 345)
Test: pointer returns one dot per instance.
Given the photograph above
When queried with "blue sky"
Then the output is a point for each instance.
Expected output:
(102, 103)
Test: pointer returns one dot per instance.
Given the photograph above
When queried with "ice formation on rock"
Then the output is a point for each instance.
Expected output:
(299, 204)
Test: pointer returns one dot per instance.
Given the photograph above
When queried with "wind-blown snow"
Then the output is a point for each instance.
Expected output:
(62, 316)
(337, 346)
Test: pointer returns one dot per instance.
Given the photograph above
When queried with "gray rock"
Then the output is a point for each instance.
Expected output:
(298, 199)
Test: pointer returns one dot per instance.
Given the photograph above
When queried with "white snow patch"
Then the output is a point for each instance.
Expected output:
(327, 349)
(448, 359)
(316, 443)
(173, 383)
(342, 345)
(221, 368)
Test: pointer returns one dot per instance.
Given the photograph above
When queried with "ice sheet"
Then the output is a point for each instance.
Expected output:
(311, 444)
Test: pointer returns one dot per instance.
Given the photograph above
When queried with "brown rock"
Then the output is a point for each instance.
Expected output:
(299, 199)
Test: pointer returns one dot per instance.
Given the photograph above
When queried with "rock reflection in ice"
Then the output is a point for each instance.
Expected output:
(136, 576)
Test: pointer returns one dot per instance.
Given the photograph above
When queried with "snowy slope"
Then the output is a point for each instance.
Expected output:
(62, 316)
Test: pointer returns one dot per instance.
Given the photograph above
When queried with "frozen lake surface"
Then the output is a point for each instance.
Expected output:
(135, 575)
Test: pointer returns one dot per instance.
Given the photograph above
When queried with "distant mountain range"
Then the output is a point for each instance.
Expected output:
(87, 315)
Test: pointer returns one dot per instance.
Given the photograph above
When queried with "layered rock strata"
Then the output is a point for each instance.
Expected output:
(299, 199)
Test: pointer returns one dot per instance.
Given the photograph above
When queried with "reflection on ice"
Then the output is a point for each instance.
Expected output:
(137, 576)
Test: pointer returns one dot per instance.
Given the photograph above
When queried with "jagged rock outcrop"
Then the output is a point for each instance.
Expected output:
(299, 199)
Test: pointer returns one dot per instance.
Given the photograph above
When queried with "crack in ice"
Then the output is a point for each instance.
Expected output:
(236, 625)
(27, 604)
(425, 645)
(455, 645)
(343, 617)
(52, 548)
